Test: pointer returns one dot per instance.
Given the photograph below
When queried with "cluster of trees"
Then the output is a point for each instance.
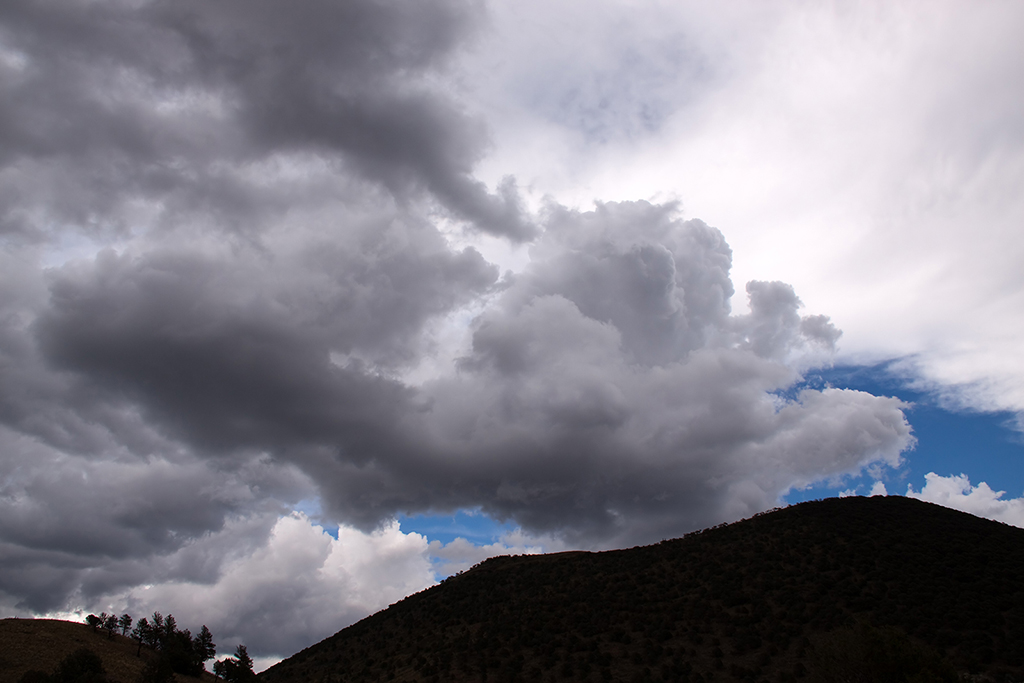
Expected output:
(111, 623)
(85, 666)
(178, 650)
(237, 669)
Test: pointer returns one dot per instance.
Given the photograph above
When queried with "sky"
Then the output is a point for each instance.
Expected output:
(304, 306)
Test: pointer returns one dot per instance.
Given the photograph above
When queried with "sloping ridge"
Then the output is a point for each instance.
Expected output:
(40, 644)
(759, 599)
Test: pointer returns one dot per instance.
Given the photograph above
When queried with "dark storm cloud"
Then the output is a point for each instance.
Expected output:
(111, 102)
(238, 354)
(261, 164)
(610, 394)
(222, 273)
(86, 527)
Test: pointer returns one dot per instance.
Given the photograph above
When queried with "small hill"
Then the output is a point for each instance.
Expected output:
(41, 644)
(817, 591)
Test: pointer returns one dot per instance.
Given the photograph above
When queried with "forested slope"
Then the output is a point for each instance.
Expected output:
(804, 592)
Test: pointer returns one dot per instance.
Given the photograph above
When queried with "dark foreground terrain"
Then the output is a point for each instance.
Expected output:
(853, 589)
(40, 645)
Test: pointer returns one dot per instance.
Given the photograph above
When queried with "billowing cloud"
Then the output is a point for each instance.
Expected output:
(236, 233)
(76, 527)
(957, 492)
(460, 554)
(298, 587)
(843, 148)
(175, 102)
(609, 393)
(275, 583)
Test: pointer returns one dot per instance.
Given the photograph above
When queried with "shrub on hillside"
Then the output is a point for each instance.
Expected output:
(81, 666)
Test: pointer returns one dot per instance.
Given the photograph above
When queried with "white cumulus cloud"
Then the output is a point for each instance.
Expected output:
(957, 492)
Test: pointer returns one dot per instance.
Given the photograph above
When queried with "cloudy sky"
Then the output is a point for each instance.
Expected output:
(304, 305)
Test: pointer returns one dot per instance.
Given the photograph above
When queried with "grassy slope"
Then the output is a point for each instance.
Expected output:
(42, 643)
(748, 601)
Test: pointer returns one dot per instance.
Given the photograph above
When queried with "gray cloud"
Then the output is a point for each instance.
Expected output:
(608, 397)
(610, 394)
(76, 527)
(165, 94)
(223, 264)
(775, 330)
(238, 354)
(299, 586)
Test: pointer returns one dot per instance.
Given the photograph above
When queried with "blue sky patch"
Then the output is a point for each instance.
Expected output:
(984, 446)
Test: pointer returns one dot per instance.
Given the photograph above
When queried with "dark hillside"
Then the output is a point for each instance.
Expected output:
(778, 597)
(41, 644)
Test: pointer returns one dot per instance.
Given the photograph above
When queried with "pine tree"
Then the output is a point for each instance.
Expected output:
(140, 634)
(110, 624)
(237, 669)
(170, 625)
(204, 645)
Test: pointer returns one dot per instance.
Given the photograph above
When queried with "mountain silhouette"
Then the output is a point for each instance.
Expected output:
(842, 589)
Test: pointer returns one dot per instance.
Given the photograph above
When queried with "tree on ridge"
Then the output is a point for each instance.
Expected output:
(125, 622)
(237, 669)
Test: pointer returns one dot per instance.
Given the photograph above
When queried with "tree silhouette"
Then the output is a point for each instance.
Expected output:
(178, 649)
(141, 634)
(170, 625)
(203, 644)
(155, 631)
(109, 623)
(237, 669)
